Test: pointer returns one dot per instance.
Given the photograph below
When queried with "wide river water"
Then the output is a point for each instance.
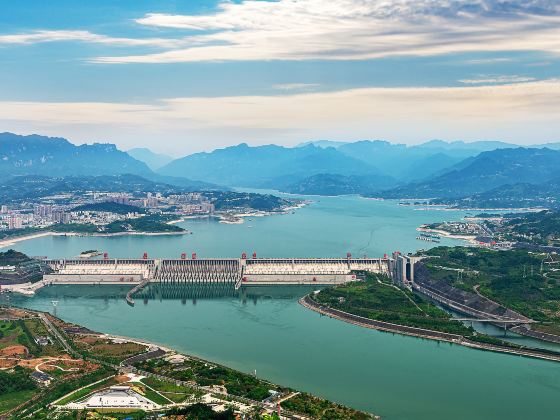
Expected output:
(266, 329)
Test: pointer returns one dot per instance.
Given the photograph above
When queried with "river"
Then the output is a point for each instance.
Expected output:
(266, 329)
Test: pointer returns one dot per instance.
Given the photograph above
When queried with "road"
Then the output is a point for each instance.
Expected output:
(56, 333)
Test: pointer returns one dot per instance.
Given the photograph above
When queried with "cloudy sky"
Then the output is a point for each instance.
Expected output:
(184, 76)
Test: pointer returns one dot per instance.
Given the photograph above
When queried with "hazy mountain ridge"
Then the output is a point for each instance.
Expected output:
(487, 171)
(296, 168)
(519, 195)
(409, 163)
(150, 158)
(40, 155)
(268, 166)
(334, 184)
(435, 169)
(48, 156)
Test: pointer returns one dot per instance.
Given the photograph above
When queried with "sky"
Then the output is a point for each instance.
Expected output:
(186, 76)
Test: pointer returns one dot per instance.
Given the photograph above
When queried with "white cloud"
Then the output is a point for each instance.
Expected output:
(333, 30)
(489, 60)
(295, 86)
(522, 112)
(487, 79)
(355, 29)
(84, 36)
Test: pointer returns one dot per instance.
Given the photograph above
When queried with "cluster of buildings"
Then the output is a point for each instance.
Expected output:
(187, 204)
(43, 215)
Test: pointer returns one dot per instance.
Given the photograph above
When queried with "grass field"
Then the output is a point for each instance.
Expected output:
(155, 396)
(169, 390)
(13, 399)
(87, 390)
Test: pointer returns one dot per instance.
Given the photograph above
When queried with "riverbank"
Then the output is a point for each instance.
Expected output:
(123, 358)
(471, 239)
(308, 302)
(239, 218)
(14, 240)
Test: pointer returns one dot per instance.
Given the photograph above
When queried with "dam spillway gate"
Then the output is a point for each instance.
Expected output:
(230, 271)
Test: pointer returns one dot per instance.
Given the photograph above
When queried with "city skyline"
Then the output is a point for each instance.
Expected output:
(182, 78)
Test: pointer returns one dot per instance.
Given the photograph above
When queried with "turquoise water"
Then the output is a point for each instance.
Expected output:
(395, 376)
(329, 227)
(266, 329)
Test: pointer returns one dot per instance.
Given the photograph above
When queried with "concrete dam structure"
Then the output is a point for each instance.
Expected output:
(236, 271)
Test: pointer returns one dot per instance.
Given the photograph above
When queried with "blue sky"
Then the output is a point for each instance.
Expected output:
(184, 76)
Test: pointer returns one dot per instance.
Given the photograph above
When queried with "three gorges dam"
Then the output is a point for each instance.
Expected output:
(230, 272)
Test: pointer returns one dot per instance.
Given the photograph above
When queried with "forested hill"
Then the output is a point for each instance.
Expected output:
(40, 155)
(520, 195)
(268, 166)
(333, 184)
(31, 186)
(487, 171)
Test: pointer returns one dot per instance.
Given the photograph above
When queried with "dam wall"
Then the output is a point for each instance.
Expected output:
(113, 279)
(235, 271)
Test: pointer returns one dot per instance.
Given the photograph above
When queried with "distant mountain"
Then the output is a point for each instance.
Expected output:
(485, 172)
(265, 166)
(322, 143)
(519, 195)
(332, 184)
(39, 155)
(152, 159)
(472, 147)
(415, 163)
(54, 156)
(553, 146)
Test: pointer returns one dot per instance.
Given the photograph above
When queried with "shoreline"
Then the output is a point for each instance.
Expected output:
(14, 240)
(308, 303)
(468, 238)
(223, 397)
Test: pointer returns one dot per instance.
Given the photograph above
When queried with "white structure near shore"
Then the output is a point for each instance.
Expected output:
(115, 397)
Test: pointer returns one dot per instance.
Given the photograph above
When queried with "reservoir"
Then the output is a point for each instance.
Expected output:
(265, 329)
(329, 227)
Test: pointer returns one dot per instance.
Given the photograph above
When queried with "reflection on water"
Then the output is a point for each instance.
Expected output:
(169, 291)
(264, 328)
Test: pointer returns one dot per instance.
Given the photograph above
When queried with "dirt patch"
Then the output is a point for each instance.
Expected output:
(16, 350)
(8, 363)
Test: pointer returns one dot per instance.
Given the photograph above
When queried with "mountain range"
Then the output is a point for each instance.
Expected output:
(40, 155)
(485, 172)
(54, 156)
(466, 173)
(152, 159)
(268, 166)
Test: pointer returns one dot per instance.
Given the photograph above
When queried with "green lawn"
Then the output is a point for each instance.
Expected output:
(13, 399)
(88, 390)
(169, 390)
(155, 397)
